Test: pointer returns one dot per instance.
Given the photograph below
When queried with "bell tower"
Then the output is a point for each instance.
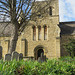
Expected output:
(46, 8)
(46, 20)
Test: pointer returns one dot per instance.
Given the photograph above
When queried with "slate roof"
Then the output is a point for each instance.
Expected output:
(5, 28)
(67, 28)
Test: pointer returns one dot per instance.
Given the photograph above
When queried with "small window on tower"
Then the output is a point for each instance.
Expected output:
(50, 10)
(39, 15)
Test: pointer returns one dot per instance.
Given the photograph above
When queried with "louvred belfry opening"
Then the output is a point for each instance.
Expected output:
(50, 10)
(45, 32)
(39, 32)
(34, 33)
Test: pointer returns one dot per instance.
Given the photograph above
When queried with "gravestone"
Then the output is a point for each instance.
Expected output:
(42, 58)
(0, 52)
(15, 55)
(39, 59)
(7, 57)
(20, 56)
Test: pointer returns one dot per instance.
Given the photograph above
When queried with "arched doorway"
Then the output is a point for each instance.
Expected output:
(38, 50)
(39, 53)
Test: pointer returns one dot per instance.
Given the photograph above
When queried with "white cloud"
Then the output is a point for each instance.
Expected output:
(67, 10)
(72, 5)
(61, 10)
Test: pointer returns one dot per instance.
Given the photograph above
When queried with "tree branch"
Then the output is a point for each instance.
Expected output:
(4, 12)
(4, 9)
(5, 15)
(6, 5)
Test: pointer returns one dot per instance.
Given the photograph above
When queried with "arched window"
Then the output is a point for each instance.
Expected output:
(39, 32)
(50, 10)
(34, 33)
(45, 32)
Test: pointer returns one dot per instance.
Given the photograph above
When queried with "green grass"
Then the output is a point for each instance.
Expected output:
(62, 66)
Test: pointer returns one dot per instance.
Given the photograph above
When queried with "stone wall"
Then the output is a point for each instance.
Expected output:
(4, 42)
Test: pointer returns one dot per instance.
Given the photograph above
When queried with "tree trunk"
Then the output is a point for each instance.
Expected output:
(14, 38)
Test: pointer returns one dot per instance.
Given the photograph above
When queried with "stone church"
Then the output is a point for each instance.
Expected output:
(44, 33)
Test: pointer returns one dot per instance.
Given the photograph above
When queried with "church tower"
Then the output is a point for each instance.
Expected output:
(46, 9)
(42, 34)
(45, 30)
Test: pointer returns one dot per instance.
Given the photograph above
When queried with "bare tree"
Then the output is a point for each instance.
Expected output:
(16, 10)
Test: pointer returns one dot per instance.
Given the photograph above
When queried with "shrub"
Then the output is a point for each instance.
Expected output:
(70, 47)
(62, 66)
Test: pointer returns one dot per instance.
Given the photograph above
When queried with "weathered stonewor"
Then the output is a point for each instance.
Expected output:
(20, 56)
(0, 52)
(7, 57)
(15, 55)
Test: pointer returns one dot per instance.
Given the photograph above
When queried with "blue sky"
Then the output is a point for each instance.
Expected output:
(66, 10)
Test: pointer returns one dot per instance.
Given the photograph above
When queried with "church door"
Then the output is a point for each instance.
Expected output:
(39, 53)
